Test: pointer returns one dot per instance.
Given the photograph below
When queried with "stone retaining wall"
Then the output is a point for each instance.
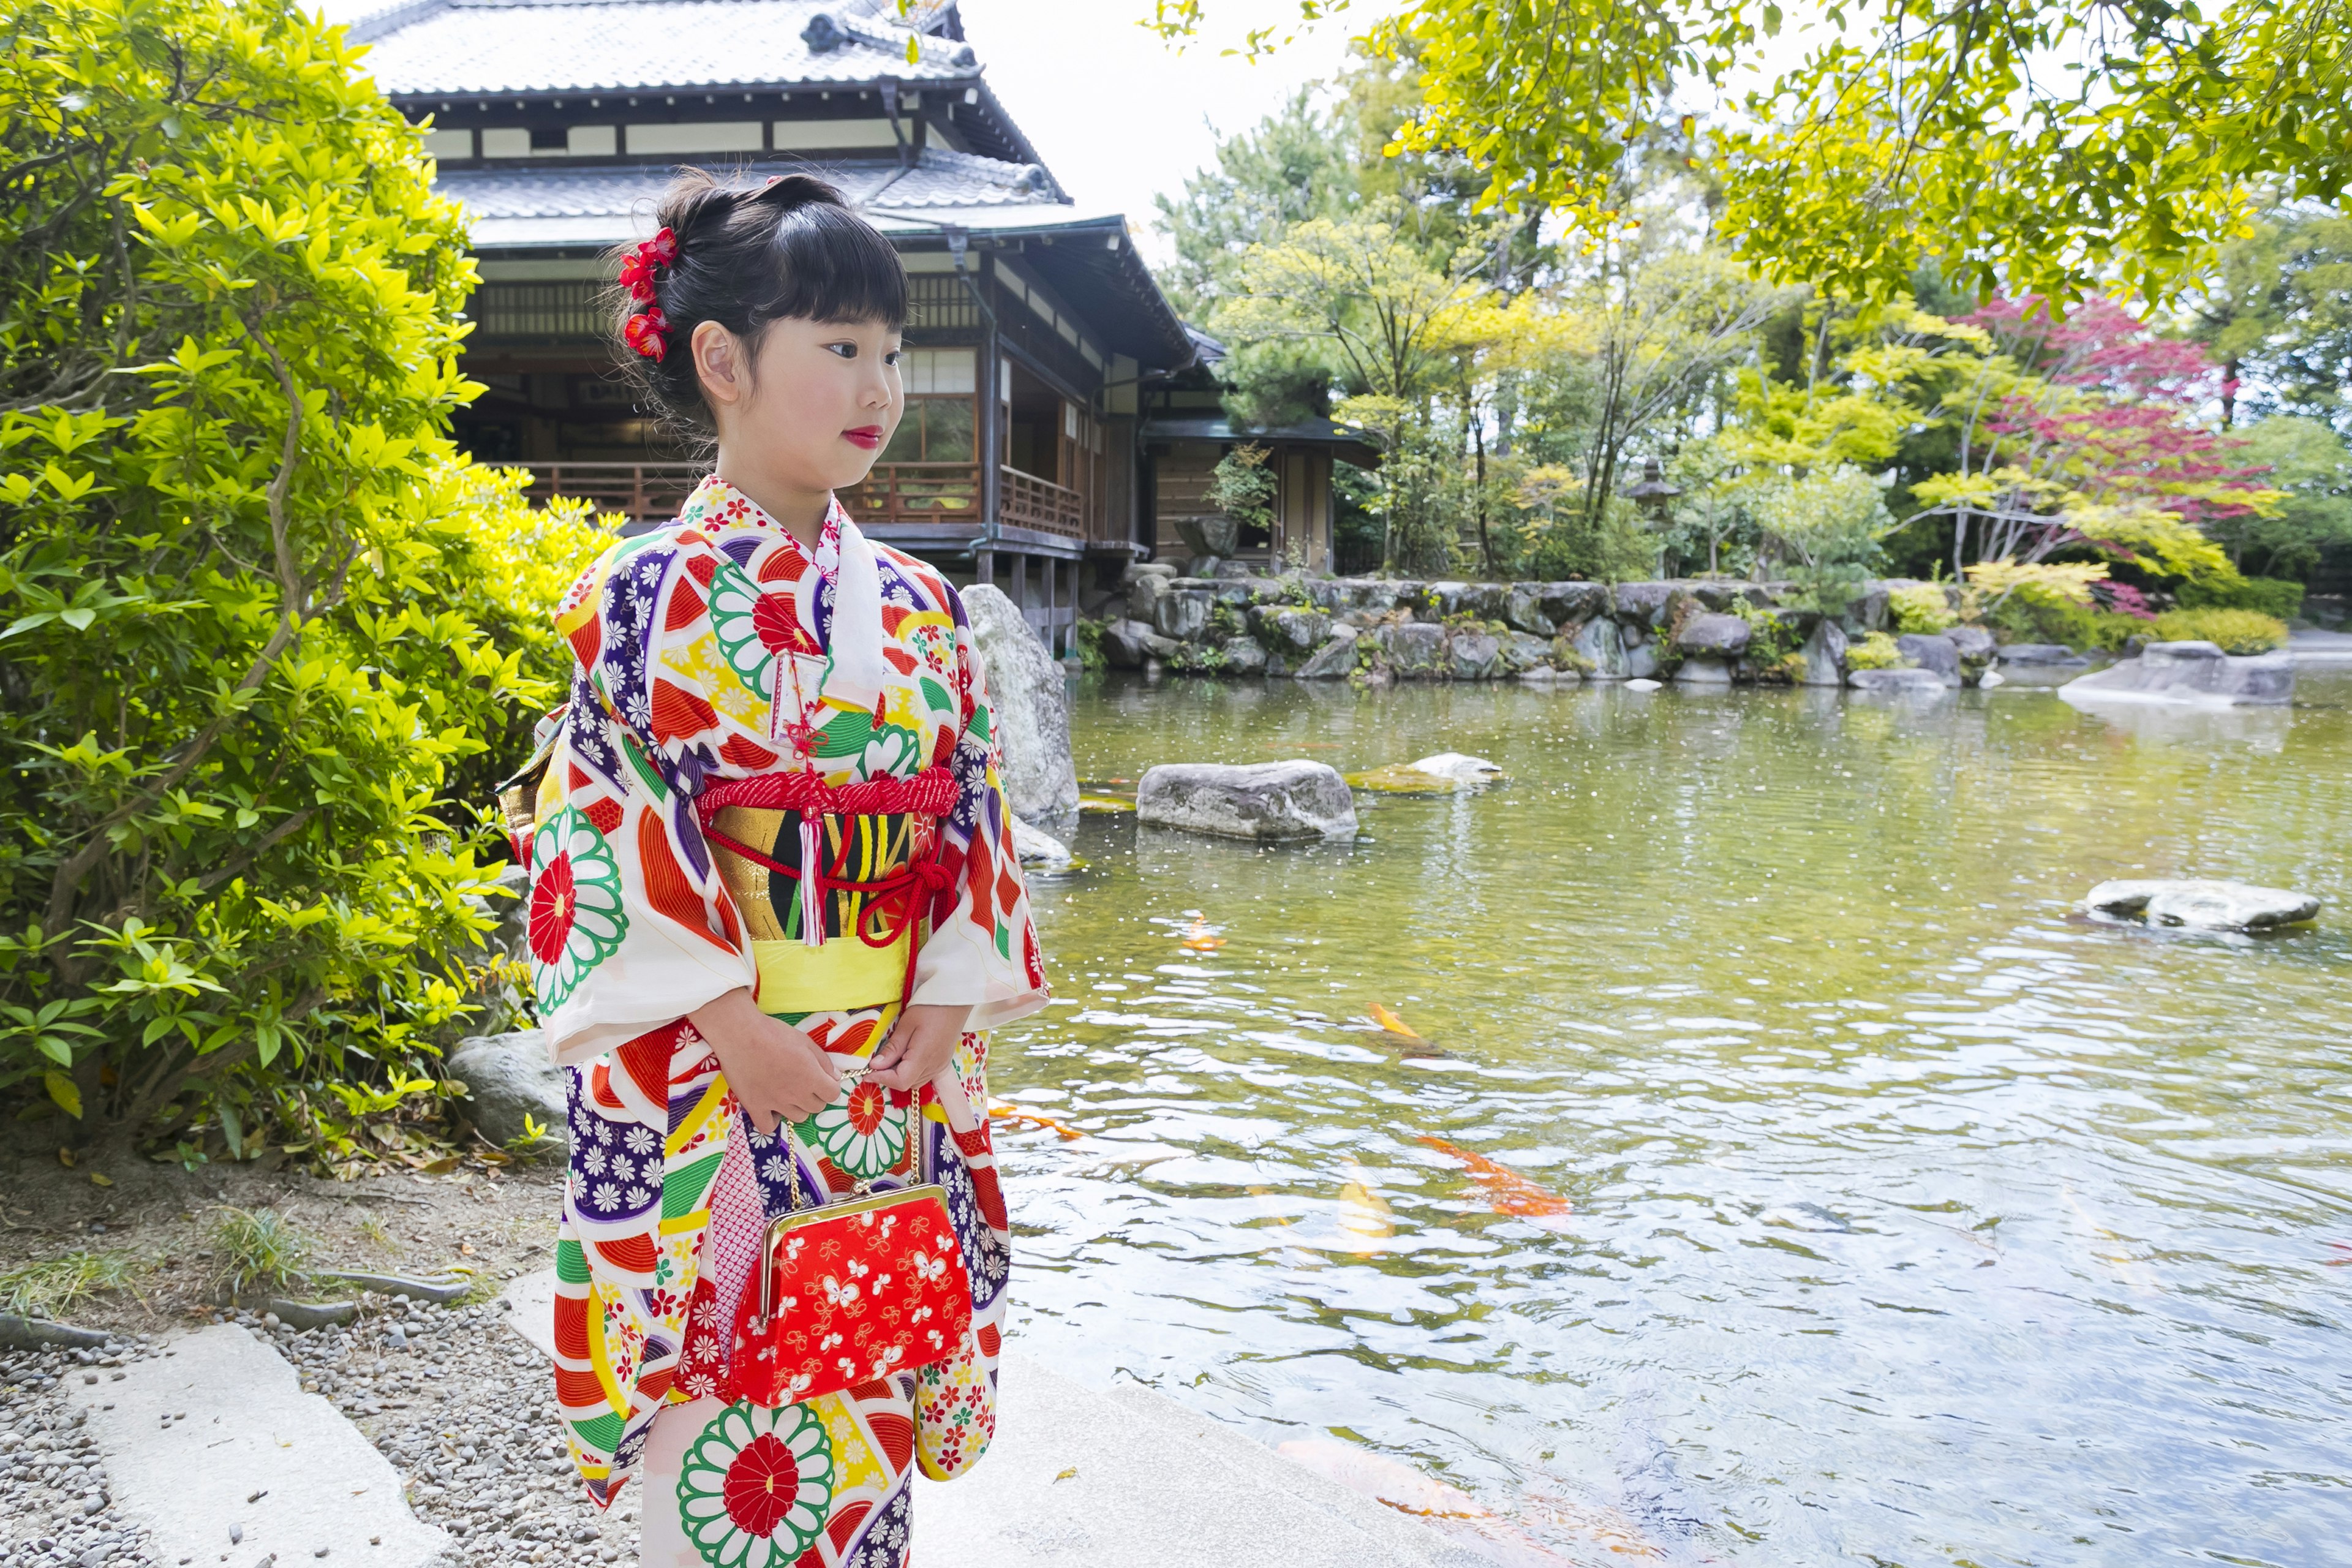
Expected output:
(1699, 632)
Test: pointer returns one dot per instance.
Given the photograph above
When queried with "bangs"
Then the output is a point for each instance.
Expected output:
(832, 266)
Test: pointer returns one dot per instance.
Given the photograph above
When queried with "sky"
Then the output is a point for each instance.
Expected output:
(1116, 115)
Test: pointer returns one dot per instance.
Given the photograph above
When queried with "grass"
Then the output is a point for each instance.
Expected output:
(53, 1284)
(2235, 631)
(259, 1246)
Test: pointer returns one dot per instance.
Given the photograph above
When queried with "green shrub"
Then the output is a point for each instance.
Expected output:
(1921, 608)
(1875, 651)
(267, 638)
(2035, 612)
(2265, 596)
(2233, 631)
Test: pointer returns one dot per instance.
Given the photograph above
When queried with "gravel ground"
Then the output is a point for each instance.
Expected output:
(52, 1492)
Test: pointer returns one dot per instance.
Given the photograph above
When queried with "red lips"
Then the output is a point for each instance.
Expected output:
(866, 435)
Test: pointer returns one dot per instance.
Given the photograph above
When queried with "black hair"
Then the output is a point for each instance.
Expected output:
(790, 249)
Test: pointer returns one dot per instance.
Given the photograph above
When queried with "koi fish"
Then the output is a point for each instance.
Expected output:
(1392, 1024)
(1278, 1219)
(1364, 1214)
(2343, 1247)
(1001, 1110)
(1507, 1192)
(1201, 937)
(1399, 1484)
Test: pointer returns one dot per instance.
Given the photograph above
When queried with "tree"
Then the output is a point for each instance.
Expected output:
(260, 622)
(2041, 148)
(2310, 465)
(2276, 315)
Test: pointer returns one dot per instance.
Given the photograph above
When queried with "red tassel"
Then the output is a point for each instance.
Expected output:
(812, 880)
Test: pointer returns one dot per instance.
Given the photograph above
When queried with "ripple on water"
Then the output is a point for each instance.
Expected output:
(1915, 1221)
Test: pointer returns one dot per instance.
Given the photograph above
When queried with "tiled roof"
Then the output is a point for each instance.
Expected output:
(940, 180)
(488, 46)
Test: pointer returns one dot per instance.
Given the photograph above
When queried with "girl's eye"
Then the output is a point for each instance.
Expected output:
(891, 358)
(847, 350)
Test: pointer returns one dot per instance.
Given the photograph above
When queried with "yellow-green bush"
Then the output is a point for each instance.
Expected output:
(266, 632)
(1877, 651)
(1921, 608)
(2233, 631)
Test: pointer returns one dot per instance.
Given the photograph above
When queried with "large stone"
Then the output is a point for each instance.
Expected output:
(1414, 649)
(1289, 628)
(2205, 905)
(1335, 659)
(1975, 644)
(1824, 653)
(1703, 672)
(1641, 654)
(1268, 802)
(1602, 646)
(1143, 592)
(1524, 651)
(1245, 655)
(2198, 674)
(1570, 601)
(1474, 656)
(1523, 610)
(509, 1077)
(284, 1469)
(1040, 851)
(1905, 682)
(1714, 636)
(1127, 645)
(2035, 653)
(1182, 614)
(1486, 601)
(1029, 708)
(1642, 604)
(1867, 611)
(1448, 772)
(1722, 597)
(1932, 650)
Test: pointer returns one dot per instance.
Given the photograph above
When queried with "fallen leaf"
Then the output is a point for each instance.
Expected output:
(100, 1179)
(1068, 1475)
(467, 1247)
(65, 1157)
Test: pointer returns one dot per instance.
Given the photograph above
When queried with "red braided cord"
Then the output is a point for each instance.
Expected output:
(931, 793)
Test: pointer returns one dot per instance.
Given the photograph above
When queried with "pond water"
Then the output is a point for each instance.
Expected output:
(1914, 1220)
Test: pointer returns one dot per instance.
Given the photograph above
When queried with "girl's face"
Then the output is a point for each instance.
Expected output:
(809, 412)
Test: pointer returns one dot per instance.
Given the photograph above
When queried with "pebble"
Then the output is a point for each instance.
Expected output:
(54, 1511)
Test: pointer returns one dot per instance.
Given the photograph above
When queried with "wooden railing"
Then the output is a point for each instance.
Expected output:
(1024, 500)
(893, 492)
(640, 489)
(917, 493)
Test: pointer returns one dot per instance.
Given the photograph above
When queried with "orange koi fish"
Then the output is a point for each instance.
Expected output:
(1002, 1110)
(1392, 1024)
(1506, 1190)
(1201, 937)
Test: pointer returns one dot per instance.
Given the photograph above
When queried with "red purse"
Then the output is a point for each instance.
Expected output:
(849, 1293)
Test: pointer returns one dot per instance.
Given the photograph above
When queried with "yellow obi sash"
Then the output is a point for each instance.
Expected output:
(847, 969)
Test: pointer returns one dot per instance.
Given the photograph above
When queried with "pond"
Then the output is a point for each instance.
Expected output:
(1914, 1220)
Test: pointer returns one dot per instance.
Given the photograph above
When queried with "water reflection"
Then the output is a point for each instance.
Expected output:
(1914, 1221)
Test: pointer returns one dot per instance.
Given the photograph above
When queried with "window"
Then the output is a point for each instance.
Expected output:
(938, 426)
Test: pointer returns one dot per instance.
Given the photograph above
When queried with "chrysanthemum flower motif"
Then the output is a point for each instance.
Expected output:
(861, 1132)
(757, 1487)
(576, 916)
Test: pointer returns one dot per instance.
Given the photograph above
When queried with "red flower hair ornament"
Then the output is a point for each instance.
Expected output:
(648, 331)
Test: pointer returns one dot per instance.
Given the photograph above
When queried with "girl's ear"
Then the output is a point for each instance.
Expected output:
(720, 364)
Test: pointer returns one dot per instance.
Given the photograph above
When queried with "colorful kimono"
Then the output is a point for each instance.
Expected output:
(709, 655)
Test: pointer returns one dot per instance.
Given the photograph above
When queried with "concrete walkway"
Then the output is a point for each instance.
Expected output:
(1128, 1478)
(216, 1450)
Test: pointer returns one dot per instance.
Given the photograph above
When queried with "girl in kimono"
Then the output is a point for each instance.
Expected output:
(774, 903)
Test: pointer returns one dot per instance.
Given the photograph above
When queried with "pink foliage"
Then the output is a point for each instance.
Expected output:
(2119, 420)
(2124, 600)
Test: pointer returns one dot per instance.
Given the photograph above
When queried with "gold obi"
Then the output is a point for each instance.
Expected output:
(847, 969)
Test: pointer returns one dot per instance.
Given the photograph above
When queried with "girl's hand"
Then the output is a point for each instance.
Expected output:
(921, 1045)
(776, 1072)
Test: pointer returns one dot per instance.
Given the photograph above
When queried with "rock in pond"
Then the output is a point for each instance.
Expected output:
(1267, 802)
(1703, 672)
(1415, 648)
(1907, 681)
(1243, 656)
(1448, 772)
(1602, 647)
(2196, 673)
(1126, 645)
(2040, 653)
(1975, 644)
(1932, 650)
(1335, 659)
(1714, 636)
(1029, 704)
(1641, 683)
(509, 1077)
(1040, 851)
(1824, 653)
(1472, 656)
(2203, 905)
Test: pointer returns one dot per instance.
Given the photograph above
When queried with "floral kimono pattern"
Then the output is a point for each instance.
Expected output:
(718, 649)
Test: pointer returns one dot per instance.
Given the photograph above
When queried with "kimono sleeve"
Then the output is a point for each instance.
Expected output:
(630, 924)
(983, 953)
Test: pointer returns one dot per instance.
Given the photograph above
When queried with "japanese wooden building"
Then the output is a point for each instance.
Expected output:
(1037, 334)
